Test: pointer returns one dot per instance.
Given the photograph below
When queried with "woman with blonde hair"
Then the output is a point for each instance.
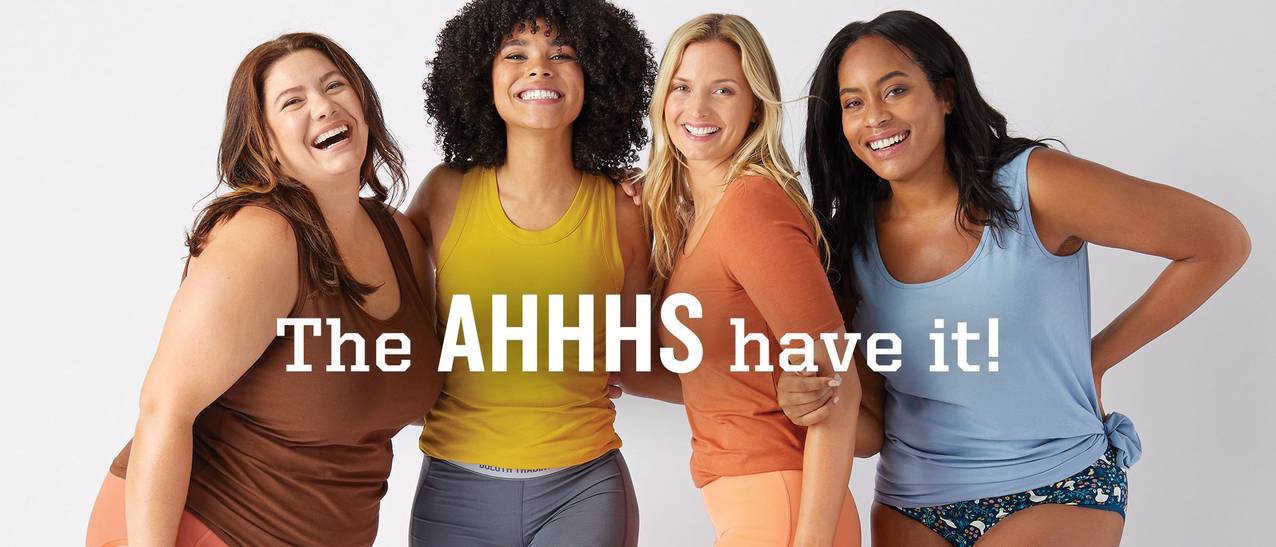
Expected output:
(733, 228)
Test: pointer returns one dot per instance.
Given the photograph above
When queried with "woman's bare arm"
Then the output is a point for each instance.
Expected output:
(826, 459)
(1074, 201)
(220, 321)
(808, 399)
(433, 204)
(635, 250)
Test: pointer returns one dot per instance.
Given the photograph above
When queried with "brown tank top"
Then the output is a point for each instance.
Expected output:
(302, 458)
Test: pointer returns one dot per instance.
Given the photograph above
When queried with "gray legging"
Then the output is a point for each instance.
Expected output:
(587, 505)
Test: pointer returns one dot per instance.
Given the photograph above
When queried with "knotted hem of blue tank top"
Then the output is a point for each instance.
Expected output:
(1092, 448)
(1118, 431)
(1122, 436)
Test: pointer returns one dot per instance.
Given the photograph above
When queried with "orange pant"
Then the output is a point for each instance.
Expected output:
(761, 510)
(106, 524)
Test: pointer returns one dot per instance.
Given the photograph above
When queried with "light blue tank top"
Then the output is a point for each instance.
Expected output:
(956, 435)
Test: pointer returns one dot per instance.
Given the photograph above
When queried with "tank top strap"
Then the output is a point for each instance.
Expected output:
(471, 186)
(303, 280)
(488, 199)
(1013, 179)
(603, 197)
(395, 247)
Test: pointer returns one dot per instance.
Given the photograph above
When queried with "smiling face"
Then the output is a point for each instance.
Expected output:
(892, 118)
(709, 105)
(314, 117)
(536, 81)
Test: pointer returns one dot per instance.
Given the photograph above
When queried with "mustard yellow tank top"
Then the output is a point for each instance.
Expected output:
(517, 419)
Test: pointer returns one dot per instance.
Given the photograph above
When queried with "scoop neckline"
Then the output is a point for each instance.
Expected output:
(394, 264)
(881, 263)
(561, 228)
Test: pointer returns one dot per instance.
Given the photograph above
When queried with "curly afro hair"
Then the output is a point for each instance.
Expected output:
(614, 56)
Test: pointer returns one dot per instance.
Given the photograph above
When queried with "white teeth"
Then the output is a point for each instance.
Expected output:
(331, 133)
(701, 131)
(878, 145)
(538, 95)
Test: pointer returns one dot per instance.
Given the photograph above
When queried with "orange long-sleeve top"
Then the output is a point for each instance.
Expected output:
(757, 260)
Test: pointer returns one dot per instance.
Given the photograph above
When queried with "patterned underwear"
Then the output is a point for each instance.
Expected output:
(1100, 486)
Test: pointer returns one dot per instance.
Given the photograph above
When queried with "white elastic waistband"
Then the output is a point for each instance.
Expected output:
(506, 472)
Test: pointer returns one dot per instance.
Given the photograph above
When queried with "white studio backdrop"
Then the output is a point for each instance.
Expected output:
(112, 115)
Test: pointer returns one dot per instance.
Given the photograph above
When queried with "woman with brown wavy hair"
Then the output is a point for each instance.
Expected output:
(252, 431)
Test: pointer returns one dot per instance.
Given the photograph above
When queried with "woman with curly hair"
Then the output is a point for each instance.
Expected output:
(236, 442)
(538, 106)
(733, 228)
(939, 219)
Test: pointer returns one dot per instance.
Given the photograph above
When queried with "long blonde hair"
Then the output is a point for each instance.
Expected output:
(666, 195)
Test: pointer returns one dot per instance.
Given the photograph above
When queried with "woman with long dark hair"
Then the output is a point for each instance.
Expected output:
(941, 222)
(237, 442)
